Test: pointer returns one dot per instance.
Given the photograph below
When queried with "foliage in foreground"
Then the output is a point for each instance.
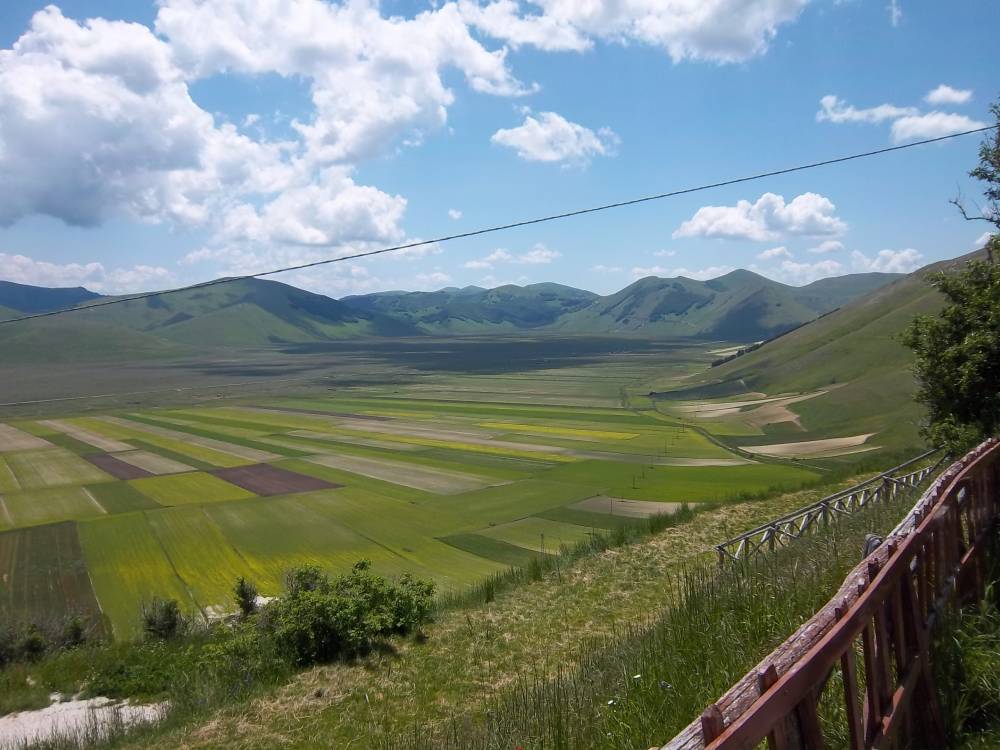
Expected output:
(958, 352)
(648, 682)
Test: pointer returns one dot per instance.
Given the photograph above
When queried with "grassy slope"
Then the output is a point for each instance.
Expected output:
(473, 653)
(855, 352)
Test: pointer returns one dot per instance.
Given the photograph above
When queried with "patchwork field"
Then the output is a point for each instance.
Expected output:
(448, 475)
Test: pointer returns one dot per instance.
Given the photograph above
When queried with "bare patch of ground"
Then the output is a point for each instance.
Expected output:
(619, 506)
(116, 467)
(266, 480)
(426, 478)
(84, 435)
(153, 463)
(813, 448)
(74, 718)
(13, 439)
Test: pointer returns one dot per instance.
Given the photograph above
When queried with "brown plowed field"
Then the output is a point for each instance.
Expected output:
(267, 480)
(116, 467)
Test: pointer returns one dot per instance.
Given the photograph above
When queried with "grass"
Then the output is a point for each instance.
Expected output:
(554, 430)
(492, 549)
(120, 497)
(128, 565)
(44, 575)
(201, 555)
(8, 482)
(49, 505)
(190, 488)
(52, 467)
(538, 534)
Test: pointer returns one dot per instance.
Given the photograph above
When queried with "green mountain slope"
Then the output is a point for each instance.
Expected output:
(740, 306)
(35, 299)
(249, 312)
(473, 309)
(853, 354)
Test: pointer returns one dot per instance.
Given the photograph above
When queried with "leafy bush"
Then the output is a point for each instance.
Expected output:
(162, 619)
(320, 619)
(245, 594)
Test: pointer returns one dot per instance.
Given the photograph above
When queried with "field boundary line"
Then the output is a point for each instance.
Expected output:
(10, 473)
(173, 566)
(94, 500)
(6, 512)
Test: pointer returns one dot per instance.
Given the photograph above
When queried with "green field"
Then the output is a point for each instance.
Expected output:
(453, 476)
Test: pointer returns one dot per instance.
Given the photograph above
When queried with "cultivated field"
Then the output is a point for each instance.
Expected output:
(451, 473)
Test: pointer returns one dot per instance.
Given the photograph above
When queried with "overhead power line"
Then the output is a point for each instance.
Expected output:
(501, 227)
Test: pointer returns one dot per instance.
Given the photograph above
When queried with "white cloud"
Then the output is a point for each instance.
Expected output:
(550, 137)
(537, 255)
(908, 123)
(793, 272)
(774, 252)
(716, 30)
(982, 240)
(895, 12)
(888, 261)
(944, 94)
(931, 125)
(701, 274)
(769, 218)
(837, 110)
(431, 280)
(454, 214)
(600, 268)
(827, 246)
(374, 80)
(665, 253)
(25, 270)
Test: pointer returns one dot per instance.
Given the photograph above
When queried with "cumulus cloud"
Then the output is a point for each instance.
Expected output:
(944, 94)
(700, 274)
(982, 240)
(769, 218)
(795, 273)
(774, 252)
(888, 261)
(454, 214)
(373, 79)
(895, 12)
(908, 123)
(827, 246)
(537, 255)
(22, 269)
(600, 268)
(833, 109)
(715, 30)
(932, 125)
(550, 137)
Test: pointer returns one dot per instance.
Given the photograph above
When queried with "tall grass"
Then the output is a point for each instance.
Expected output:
(647, 682)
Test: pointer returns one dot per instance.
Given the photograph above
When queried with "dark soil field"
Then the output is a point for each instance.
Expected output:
(266, 480)
(116, 467)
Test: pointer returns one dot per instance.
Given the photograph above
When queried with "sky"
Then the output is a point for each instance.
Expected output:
(146, 145)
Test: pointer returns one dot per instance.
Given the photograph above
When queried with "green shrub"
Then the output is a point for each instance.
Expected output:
(162, 619)
(245, 594)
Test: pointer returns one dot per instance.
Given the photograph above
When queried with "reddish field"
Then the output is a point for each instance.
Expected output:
(115, 467)
(266, 480)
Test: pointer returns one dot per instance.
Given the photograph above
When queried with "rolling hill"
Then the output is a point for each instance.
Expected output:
(476, 310)
(740, 306)
(22, 298)
(853, 356)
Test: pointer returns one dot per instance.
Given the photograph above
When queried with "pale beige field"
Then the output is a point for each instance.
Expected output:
(87, 436)
(814, 448)
(251, 454)
(153, 463)
(428, 479)
(13, 439)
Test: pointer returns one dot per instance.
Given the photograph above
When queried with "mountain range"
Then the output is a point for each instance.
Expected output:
(739, 306)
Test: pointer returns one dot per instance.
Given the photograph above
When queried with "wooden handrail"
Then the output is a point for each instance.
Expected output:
(879, 622)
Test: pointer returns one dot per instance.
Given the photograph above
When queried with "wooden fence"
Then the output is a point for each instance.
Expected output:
(875, 633)
(882, 488)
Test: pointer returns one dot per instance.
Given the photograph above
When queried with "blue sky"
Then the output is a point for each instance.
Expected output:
(146, 145)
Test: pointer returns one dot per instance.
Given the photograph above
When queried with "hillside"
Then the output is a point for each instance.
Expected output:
(473, 309)
(251, 312)
(852, 355)
(740, 306)
(22, 298)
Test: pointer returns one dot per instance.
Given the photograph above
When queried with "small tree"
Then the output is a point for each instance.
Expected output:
(245, 594)
(162, 619)
(958, 352)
